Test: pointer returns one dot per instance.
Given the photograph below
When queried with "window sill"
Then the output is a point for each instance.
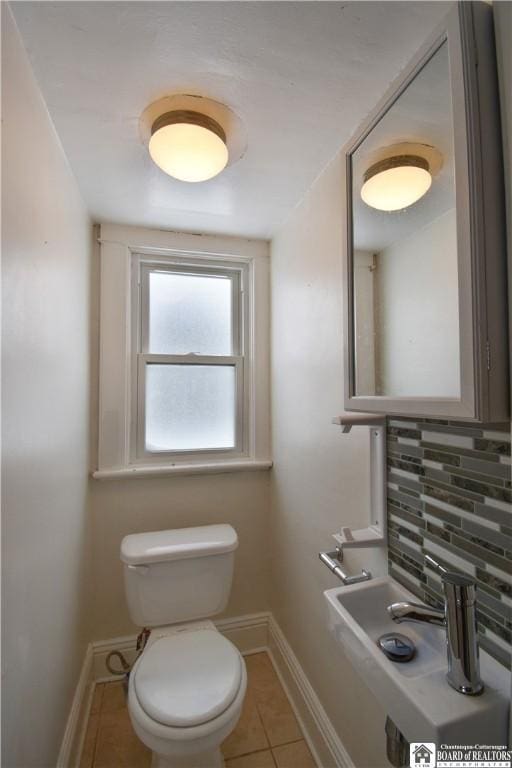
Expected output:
(212, 468)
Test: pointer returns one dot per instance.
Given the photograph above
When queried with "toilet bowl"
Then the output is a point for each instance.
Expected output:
(187, 688)
(185, 695)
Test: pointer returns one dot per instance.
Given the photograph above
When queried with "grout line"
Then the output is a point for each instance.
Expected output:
(94, 749)
(265, 749)
(286, 743)
(100, 708)
(100, 717)
(98, 724)
(246, 754)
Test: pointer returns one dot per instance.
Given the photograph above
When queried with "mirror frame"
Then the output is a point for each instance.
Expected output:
(480, 219)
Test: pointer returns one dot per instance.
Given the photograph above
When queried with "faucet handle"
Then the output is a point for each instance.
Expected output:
(459, 589)
(456, 586)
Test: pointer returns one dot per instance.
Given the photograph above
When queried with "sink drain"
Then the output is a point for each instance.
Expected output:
(396, 647)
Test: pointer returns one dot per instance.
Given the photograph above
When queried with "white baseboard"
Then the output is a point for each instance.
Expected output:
(72, 743)
(250, 634)
(325, 744)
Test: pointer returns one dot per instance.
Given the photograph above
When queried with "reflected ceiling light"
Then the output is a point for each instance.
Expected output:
(396, 182)
(188, 145)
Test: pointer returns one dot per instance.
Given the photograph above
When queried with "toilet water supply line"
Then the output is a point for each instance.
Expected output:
(142, 639)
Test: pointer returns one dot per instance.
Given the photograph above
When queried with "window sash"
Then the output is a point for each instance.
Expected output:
(234, 361)
(143, 265)
(233, 275)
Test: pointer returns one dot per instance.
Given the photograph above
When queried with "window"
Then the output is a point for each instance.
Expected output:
(184, 353)
(189, 363)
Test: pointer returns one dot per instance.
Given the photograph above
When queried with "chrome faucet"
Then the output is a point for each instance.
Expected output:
(459, 619)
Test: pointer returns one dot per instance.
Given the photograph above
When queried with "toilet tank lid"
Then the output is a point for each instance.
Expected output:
(178, 544)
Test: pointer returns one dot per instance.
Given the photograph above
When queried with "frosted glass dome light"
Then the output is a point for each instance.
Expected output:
(396, 182)
(189, 146)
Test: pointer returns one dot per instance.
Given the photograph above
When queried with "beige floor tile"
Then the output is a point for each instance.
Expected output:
(296, 755)
(256, 760)
(117, 746)
(249, 734)
(113, 697)
(279, 722)
(87, 758)
(260, 672)
(97, 698)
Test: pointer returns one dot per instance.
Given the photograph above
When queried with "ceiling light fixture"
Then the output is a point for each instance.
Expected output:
(396, 182)
(188, 145)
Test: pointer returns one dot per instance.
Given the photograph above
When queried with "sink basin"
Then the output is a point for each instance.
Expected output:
(416, 694)
(370, 614)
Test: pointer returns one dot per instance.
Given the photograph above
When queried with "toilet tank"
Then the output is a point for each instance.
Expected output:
(178, 575)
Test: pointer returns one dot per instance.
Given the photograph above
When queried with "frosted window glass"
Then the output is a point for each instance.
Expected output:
(190, 407)
(189, 313)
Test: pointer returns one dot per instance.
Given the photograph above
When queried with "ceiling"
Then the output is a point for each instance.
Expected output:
(300, 75)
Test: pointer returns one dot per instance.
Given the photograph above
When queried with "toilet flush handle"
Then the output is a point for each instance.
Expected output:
(142, 569)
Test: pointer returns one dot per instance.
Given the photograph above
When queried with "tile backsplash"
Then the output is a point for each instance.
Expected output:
(449, 495)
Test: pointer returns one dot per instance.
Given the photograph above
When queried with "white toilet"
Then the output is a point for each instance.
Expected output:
(187, 688)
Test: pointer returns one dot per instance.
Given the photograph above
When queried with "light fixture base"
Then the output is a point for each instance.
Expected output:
(415, 149)
(224, 117)
(189, 117)
(396, 161)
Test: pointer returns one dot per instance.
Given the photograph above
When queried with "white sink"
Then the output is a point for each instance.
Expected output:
(416, 694)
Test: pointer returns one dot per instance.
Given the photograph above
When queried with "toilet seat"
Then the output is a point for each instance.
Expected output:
(178, 741)
(187, 679)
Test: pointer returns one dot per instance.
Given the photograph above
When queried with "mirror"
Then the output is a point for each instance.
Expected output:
(425, 297)
(405, 276)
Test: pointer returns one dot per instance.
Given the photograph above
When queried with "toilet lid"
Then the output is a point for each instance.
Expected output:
(188, 678)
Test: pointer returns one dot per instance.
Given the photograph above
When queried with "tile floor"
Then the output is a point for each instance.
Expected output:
(267, 735)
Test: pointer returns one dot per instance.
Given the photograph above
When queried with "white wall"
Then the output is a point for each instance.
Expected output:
(319, 480)
(417, 313)
(46, 243)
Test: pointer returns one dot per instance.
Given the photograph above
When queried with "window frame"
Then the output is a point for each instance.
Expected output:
(182, 263)
(112, 360)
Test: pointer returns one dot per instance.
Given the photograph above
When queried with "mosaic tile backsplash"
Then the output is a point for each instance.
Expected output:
(449, 495)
